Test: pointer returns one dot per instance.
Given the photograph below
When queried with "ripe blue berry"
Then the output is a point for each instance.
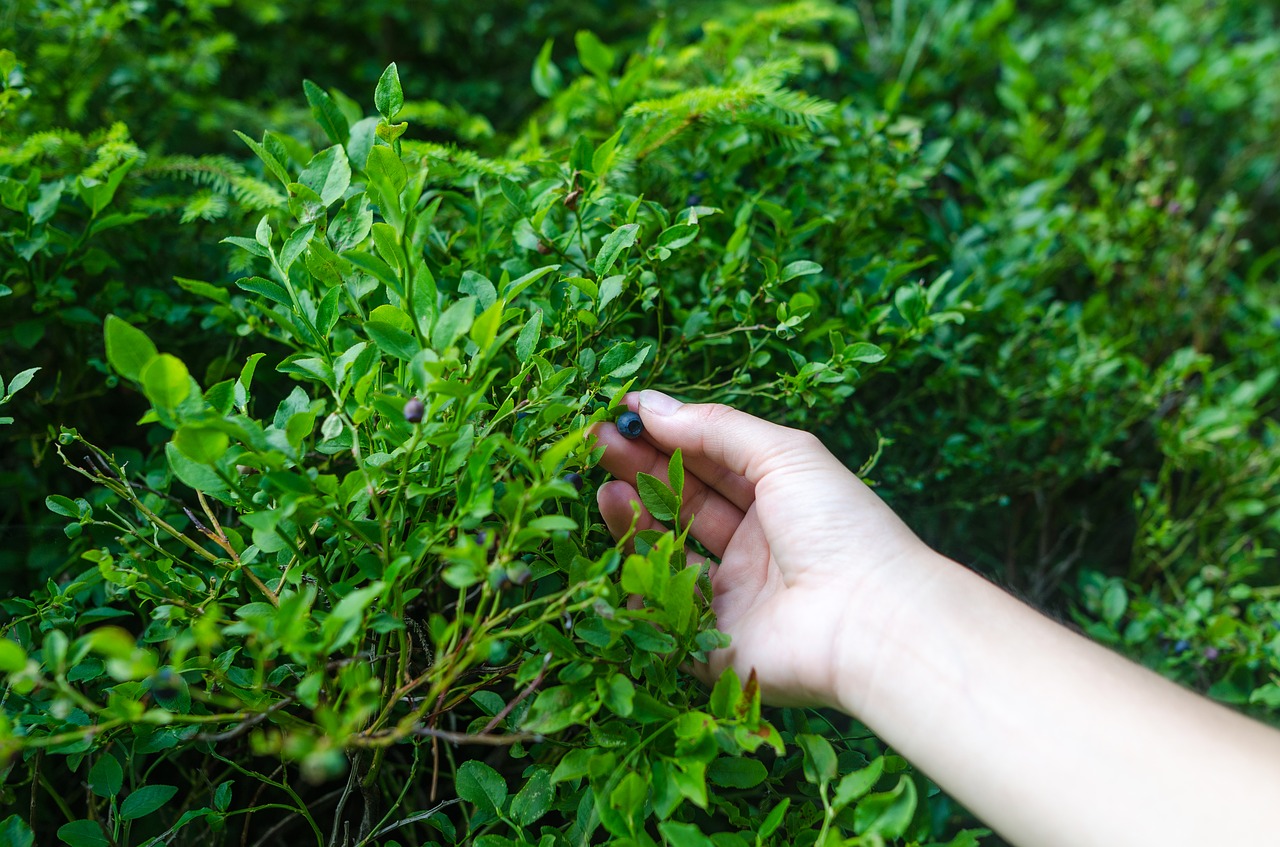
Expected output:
(574, 479)
(630, 425)
(414, 410)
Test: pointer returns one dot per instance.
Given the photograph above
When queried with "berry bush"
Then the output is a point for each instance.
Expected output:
(299, 378)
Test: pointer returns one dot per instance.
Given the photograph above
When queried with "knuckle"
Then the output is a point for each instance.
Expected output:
(714, 413)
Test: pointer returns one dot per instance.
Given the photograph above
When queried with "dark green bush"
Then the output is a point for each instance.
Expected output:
(1014, 266)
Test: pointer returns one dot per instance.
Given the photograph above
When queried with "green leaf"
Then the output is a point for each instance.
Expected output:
(202, 443)
(222, 796)
(863, 352)
(773, 820)
(128, 349)
(106, 777)
(610, 288)
(889, 813)
(819, 758)
(737, 772)
(388, 171)
(326, 113)
(20, 381)
(593, 54)
(198, 476)
(910, 302)
(203, 289)
(683, 835)
(800, 268)
(675, 237)
(294, 245)
(12, 657)
(675, 474)
(527, 340)
(551, 523)
(534, 799)
(388, 97)
(273, 291)
(60, 505)
(546, 77)
(166, 381)
(145, 800)
(480, 784)
(726, 694)
(1115, 600)
(83, 834)
(14, 831)
(328, 174)
(626, 368)
(274, 164)
(515, 194)
(619, 694)
(854, 785)
(453, 322)
(660, 500)
(392, 339)
(614, 244)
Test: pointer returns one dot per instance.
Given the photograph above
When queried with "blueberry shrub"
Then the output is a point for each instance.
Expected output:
(298, 371)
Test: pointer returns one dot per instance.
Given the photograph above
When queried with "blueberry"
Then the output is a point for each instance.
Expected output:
(630, 425)
(574, 479)
(699, 176)
(694, 200)
(1181, 646)
(1211, 653)
(414, 410)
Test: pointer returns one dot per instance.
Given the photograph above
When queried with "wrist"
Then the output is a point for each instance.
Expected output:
(883, 628)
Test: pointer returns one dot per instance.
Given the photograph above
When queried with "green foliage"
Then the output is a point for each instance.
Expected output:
(1013, 264)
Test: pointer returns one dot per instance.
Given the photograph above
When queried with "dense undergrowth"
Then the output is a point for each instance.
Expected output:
(1015, 265)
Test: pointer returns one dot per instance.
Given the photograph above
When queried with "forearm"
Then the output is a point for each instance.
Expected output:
(1049, 738)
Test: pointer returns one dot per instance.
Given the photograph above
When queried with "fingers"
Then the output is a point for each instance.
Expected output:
(722, 436)
(618, 503)
(617, 500)
(714, 518)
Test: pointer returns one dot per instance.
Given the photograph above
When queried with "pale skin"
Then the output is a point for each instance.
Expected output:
(833, 601)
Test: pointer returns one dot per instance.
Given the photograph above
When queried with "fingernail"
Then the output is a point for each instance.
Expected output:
(658, 403)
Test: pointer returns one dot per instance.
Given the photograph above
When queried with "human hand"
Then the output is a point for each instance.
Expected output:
(806, 550)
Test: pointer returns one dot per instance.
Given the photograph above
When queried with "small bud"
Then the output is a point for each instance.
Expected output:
(571, 199)
(414, 410)
(543, 248)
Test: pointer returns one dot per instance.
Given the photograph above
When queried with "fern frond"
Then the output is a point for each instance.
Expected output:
(221, 175)
(447, 162)
(206, 206)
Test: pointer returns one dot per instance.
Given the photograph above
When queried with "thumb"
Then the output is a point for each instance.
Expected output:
(741, 443)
